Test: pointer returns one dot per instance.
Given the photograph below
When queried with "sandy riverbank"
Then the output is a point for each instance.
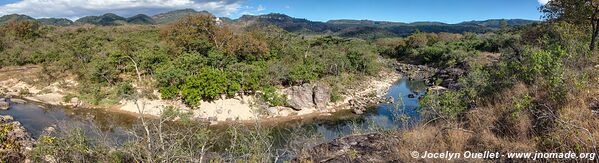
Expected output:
(231, 109)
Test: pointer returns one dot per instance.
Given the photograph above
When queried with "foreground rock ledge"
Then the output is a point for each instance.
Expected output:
(373, 147)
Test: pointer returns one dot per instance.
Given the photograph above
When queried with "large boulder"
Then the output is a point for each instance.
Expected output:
(308, 96)
(300, 97)
(322, 96)
(449, 77)
(280, 111)
(4, 105)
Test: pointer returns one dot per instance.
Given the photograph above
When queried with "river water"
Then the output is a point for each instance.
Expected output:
(403, 112)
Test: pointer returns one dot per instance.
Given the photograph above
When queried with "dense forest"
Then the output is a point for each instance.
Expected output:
(525, 87)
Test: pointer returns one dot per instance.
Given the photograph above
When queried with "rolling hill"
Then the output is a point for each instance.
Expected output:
(104, 20)
(343, 27)
(14, 17)
(141, 19)
(56, 21)
(172, 16)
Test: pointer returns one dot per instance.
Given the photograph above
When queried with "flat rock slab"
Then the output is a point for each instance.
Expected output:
(18, 101)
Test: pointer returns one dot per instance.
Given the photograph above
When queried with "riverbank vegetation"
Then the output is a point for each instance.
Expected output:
(193, 59)
(525, 89)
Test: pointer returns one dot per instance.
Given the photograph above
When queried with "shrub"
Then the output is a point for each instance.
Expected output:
(68, 97)
(304, 73)
(446, 105)
(169, 75)
(24, 92)
(73, 146)
(475, 84)
(273, 98)
(169, 92)
(125, 90)
(208, 84)
(22, 29)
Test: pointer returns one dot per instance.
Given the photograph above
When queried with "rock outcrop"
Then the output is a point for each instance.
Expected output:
(308, 96)
(322, 95)
(17, 138)
(416, 72)
(355, 148)
(18, 101)
(277, 111)
(594, 105)
(3, 104)
(449, 77)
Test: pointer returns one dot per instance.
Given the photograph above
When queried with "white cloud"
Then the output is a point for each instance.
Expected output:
(543, 2)
(249, 10)
(73, 9)
(260, 8)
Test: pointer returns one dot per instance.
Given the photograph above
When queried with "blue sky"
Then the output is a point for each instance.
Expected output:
(449, 11)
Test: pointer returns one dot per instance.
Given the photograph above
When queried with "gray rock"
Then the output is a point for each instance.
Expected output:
(50, 159)
(6, 118)
(4, 105)
(594, 105)
(280, 111)
(364, 148)
(49, 129)
(272, 111)
(322, 95)
(388, 100)
(308, 96)
(358, 111)
(212, 119)
(300, 97)
(18, 101)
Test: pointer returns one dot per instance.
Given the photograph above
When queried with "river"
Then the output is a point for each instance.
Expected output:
(36, 117)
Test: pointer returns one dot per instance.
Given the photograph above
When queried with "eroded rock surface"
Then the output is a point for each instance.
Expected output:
(15, 141)
(357, 148)
(308, 96)
(322, 95)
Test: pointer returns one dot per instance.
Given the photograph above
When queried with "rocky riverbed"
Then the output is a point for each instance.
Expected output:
(14, 139)
(303, 100)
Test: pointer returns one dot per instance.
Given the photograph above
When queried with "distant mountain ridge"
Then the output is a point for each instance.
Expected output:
(56, 21)
(286, 22)
(370, 28)
(172, 16)
(341, 27)
(14, 17)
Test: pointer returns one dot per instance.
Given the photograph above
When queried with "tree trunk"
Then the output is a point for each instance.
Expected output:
(595, 32)
(595, 25)
(136, 68)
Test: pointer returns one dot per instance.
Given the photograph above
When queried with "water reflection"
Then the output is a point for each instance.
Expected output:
(36, 117)
(402, 113)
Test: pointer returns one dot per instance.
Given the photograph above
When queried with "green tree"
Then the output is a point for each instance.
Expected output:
(168, 74)
(580, 12)
(192, 33)
(207, 85)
